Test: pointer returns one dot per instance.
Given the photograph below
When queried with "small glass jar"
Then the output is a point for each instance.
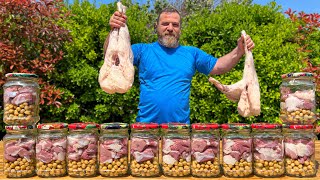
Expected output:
(297, 102)
(205, 151)
(113, 154)
(299, 143)
(237, 150)
(19, 151)
(176, 149)
(268, 150)
(21, 99)
(82, 151)
(144, 150)
(51, 149)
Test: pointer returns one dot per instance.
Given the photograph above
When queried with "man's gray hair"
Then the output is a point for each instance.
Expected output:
(169, 10)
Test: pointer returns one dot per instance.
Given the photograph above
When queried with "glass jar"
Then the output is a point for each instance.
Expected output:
(297, 102)
(236, 150)
(51, 149)
(113, 154)
(268, 150)
(299, 143)
(144, 150)
(19, 151)
(176, 149)
(82, 150)
(21, 99)
(205, 151)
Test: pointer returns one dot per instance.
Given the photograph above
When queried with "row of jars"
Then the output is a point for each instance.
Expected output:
(297, 101)
(266, 150)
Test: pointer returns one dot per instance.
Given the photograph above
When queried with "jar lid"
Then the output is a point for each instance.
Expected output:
(26, 75)
(55, 125)
(297, 74)
(18, 127)
(235, 126)
(85, 125)
(114, 125)
(144, 126)
(265, 126)
(298, 126)
(205, 126)
(175, 126)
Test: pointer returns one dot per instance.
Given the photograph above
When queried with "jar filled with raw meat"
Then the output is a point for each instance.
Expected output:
(297, 102)
(268, 150)
(19, 151)
(205, 151)
(236, 150)
(176, 149)
(113, 154)
(144, 150)
(21, 99)
(51, 148)
(299, 143)
(82, 151)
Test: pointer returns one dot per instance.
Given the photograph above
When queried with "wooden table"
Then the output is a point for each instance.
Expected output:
(163, 177)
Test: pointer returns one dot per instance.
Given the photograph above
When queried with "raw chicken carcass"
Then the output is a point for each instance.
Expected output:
(246, 91)
(117, 72)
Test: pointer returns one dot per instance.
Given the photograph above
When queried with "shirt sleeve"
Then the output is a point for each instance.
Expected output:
(204, 62)
(136, 50)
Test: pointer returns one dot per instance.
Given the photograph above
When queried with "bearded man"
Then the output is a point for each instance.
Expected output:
(166, 68)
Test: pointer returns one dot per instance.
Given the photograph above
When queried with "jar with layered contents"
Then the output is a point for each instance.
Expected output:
(21, 99)
(176, 149)
(268, 150)
(19, 151)
(144, 150)
(236, 150)
(297, 102)
(205, 151)
(299, 143)
(51, 148)
(82, 151)
(113, 154)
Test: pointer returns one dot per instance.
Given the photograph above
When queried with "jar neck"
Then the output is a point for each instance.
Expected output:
(266, 130)
(52, 130)
(26, 132)
(114, 131)
(176, 131)
(205, 131)
(245, 132)
(22, 78)
(148, 131)
(83, 130)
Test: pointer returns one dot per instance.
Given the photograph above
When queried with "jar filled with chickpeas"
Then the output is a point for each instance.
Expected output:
(82, 149)
(176, 149)
(51, 148)
(268, 150)
(298, 99)
(236, 150)
(21, 99)
(113, 145)
(205, 151)
(19, 151)
(144, 150)
(299, 144)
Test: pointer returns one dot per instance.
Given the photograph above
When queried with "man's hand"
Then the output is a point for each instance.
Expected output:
(249, 42)
(117, 20)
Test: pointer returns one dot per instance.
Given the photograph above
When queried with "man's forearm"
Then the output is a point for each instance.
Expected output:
(227, 62)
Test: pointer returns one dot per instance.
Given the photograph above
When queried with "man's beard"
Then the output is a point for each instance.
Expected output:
(169, 40)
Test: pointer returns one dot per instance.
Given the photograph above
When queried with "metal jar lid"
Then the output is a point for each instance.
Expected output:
(297, 75)
(55, 125)
(205, 126)
(115, 125)
(236, 126)
(144, 126)
(25, 75)
(266, 126)
(175, 126)
(85, 125)
(18, 127)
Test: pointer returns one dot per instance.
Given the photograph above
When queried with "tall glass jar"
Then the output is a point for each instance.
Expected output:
(82, 151)
(51, 149)
(298, 104)
(144, 150)
(268, 150)
(113, 154)
(205, 151)
(299, 143)
(176, 149)
(237, 150)
(21, 99)
(19, 151)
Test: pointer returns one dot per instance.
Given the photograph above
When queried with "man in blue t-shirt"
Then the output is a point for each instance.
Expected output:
(166, 68)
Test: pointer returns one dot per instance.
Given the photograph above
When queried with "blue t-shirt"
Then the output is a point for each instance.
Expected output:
(165, 76)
